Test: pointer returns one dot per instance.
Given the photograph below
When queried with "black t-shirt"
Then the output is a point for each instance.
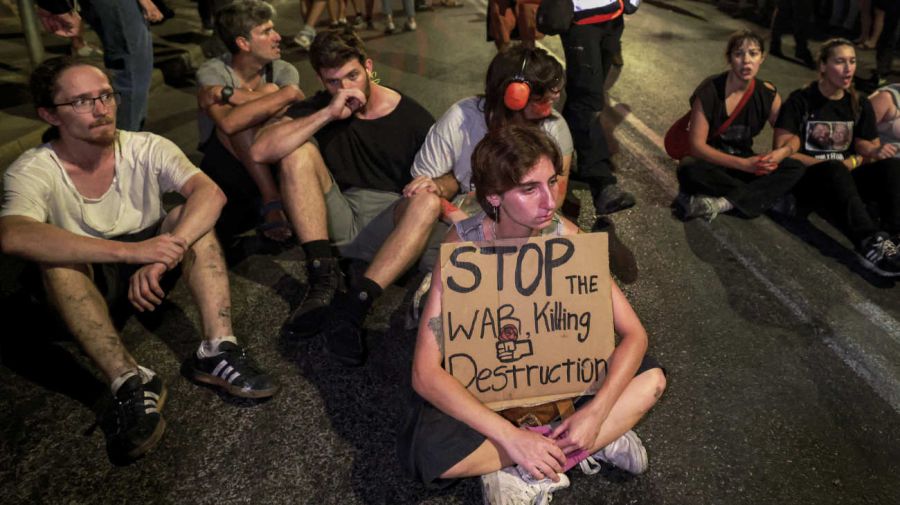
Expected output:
(738, 138)
(370, 153)
(826, 127)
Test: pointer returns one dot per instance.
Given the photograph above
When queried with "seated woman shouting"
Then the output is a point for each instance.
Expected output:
(450, 434)
(852, 179)
(727, 111)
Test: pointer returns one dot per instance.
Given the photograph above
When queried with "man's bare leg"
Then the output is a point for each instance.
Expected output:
(207, 278)
(414, 218)
(71, 291)
(304, 183)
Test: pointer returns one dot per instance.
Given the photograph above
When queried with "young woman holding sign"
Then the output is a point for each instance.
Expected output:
(450, 434)
(727, 111)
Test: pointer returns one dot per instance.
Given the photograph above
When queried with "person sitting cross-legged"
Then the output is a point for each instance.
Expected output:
(239, 92)
(86, 208)
(449, 433)
(344, 161)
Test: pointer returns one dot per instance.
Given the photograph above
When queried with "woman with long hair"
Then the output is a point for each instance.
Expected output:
(723, 173)
(449, 433)
(852, 179)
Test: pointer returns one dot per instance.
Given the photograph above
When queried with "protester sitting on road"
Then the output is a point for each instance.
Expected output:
(886, 106)
(344, 160)
(450, 142)
(449, 433)
(856, 185)
(722, 172)
(240, 91)
(86, 207)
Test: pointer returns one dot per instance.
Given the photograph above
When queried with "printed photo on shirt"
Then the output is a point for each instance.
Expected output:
(828, 136)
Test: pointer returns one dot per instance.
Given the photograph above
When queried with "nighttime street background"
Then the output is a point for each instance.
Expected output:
(782, 353)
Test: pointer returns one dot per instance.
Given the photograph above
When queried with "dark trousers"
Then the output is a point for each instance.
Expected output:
(859, 203)
(241, 213)
(750, 194)
(590, 50)
(793, 15)
(884, 52)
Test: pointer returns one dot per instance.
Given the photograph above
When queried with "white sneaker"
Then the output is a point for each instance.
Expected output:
(305, 37)
(508, 486)
(626, 452)
(410, 25)
(389, 26)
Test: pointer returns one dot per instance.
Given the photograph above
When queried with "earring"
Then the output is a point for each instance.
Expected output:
(496, 213)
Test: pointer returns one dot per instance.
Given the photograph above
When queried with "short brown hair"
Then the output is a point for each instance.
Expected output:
(239, 18)
(505, 155)
(737, 39)
(334, 48)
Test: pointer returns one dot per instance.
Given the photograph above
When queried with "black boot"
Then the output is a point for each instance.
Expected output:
(324, 277)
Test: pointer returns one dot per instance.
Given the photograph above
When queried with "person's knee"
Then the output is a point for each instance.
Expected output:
(59, 279)
(302, 161)
(653, 386)
(425, 205)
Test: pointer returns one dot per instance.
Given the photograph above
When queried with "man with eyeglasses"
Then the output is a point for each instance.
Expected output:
(86, 209)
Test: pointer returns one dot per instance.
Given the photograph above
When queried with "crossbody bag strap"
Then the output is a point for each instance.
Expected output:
(737, 110)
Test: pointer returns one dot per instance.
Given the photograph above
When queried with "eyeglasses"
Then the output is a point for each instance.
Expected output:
(86, 105)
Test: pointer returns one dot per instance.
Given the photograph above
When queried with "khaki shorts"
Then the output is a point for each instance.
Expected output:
(360, 220)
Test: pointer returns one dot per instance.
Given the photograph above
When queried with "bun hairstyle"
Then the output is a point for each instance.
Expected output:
(827, 51)
(505, 155)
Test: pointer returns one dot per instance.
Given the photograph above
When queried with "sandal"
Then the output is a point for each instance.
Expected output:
(264, 226)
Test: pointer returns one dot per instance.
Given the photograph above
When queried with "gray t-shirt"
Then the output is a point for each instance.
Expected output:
(218, 72)
(37, 186)
(450, 142)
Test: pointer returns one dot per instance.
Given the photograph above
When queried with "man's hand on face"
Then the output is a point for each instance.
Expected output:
(345, 102)
(165, 249)
(144, 291)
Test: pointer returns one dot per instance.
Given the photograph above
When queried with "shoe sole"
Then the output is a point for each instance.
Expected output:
(151, 442)
(231, 389)
(617, 209)
(868, 265)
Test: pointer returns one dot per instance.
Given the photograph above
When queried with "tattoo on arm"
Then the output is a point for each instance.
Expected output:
(436, 324)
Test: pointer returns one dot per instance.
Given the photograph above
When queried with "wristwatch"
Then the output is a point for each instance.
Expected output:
(227, 91)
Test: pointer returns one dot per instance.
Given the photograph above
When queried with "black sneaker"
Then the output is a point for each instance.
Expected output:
(345, 338)
(612, 199)
(880, 255)
(132, 422)
(232, 371)
(324, 277)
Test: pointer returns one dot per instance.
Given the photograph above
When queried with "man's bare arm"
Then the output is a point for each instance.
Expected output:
(246, 111)
(45, 243)
(280, 139)
(201, 210)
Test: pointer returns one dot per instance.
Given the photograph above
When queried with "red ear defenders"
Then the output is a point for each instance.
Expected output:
(519, 90)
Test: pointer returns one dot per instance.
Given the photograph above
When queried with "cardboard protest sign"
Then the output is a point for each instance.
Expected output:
(527, 321)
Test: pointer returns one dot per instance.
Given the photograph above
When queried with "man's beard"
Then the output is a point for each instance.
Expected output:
(104, 139)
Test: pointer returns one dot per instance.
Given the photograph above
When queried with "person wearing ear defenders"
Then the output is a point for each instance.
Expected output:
(521, 86)
(343, 162)
(591, 43)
